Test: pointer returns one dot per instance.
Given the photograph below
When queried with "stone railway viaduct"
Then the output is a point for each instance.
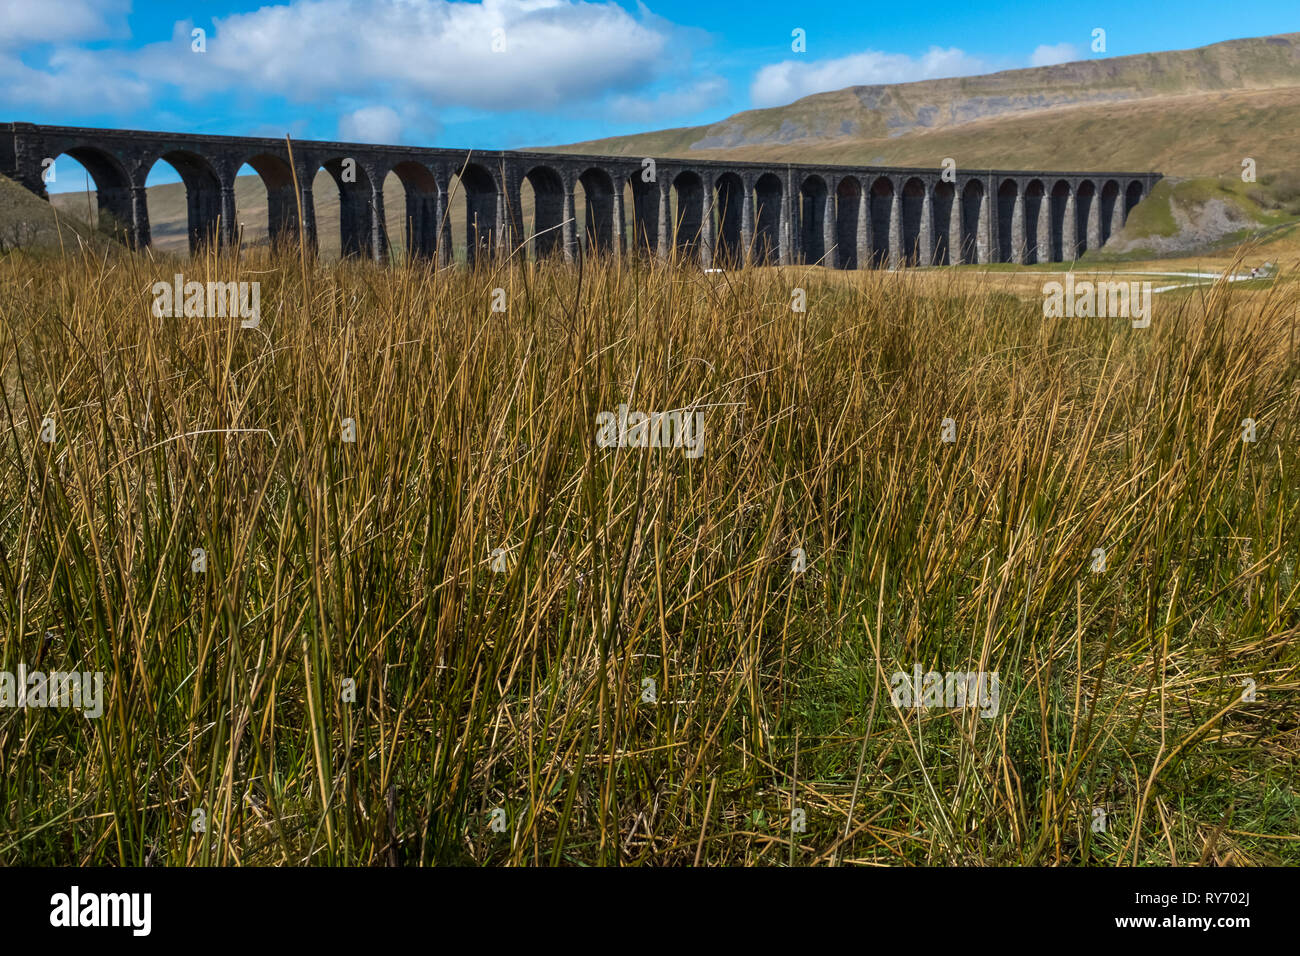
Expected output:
(718, 213)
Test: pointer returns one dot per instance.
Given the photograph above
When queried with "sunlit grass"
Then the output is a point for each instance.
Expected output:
(523, 689)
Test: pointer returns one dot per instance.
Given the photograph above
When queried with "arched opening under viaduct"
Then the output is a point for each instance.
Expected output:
(479, 188)
(1109, 199)
(271, 217)
(1132, 196)
(812, 220)
(542, 189)
(1034, 192)
(767, 219)
(973, 221)
(944, 196)
(913, 213)
(346, 230)
(882, 201)
(90, 185)
(184, 217)
(1083, 200)
(730, 205)
(848, 209)
(1007, 238)
(645, 215)
(1060, 201)
(688, 213)
(411, 195)
(596, 188)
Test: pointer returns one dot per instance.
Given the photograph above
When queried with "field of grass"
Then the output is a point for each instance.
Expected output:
(614, 647)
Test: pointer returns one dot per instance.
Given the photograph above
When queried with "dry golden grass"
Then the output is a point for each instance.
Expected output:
(525, 690)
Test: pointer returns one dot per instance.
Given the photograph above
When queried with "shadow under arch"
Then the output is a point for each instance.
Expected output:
(882, 202)
(973, 218)
(1060, 200)
(599, 227)
(480, 189)
(1007, 193)
(813, 193)
(688, 223)
(1035, 193)
(848, 207)
(768, 194)
(913, 228)
(945, 194)
(547, 235)
(729, 191)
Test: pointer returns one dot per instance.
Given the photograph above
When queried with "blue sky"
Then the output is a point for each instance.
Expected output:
(426, 72)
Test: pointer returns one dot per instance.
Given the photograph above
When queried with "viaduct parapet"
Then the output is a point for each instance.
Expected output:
(718, 213)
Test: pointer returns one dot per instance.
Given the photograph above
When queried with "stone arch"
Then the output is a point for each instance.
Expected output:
(115, 212)
(281, 203)
(848, 207)
(1059, 205)
(422, 209)
(480, 188)
(945, 196)
(356, 213)
(688, 222)
(202, 197)
(1008, 192)
(769, 194)
(730, 192)
(973, 219)
(1132, 196)
(1084, 197)
(598, 211)
(914, 230)
(645, 214)
(882, 201)
(547, 235)
(1035, 219)
(1110, 207)
(813, 192)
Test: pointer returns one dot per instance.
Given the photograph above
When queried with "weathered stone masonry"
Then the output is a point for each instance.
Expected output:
(716, 212)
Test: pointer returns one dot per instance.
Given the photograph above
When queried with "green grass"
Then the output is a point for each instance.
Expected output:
(1154, 215)
(523, 690)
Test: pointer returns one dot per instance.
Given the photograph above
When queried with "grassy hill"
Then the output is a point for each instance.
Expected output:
(1206, 214)
(1242, 97)
(28, 221)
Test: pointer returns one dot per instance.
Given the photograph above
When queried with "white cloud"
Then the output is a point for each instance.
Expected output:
(1051, 55)
(64, 85)
(417, 57)
(26, 22)
(664, 107)
(784, 82)
(371, 124)
(556, 52)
